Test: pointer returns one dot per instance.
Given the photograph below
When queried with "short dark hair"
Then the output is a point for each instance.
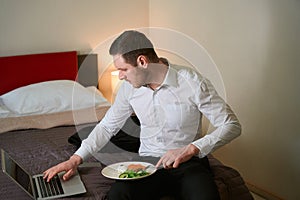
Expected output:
(131, 44)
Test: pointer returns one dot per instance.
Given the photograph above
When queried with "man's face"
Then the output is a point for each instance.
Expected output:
(134, 75)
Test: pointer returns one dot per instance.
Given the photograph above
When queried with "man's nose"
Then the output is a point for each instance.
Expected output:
(121, 75)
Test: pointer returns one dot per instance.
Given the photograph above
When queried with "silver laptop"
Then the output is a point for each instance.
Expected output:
(36, 186)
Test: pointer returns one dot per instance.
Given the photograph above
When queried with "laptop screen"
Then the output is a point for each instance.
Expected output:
(16, 173)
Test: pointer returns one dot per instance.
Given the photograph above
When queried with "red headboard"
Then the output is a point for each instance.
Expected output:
(17, 71)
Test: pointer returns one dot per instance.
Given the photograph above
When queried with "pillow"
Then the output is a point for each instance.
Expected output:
(49, 97)
(3, 110)
(93, 89)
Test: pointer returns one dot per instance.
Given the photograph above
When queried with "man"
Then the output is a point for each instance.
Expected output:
(169, 101)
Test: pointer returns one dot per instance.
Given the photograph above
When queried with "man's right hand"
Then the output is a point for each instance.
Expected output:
(69, 166)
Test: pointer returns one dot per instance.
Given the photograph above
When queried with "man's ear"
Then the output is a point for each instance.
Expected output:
(142, 61)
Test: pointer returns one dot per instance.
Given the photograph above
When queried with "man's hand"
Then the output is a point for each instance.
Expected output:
(69, 166)
(174, 157)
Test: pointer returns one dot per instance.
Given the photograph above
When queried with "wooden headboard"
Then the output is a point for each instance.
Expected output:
(17, 71)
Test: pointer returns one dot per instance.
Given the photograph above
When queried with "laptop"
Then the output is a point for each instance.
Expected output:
(36, 186)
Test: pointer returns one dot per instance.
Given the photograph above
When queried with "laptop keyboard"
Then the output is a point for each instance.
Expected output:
(51, 188)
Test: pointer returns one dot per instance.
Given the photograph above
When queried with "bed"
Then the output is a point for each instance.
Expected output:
(39, 136)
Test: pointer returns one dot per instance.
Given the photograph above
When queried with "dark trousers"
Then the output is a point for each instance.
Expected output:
(192, 180)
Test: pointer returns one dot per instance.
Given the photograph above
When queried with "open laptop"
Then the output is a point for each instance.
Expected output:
(36, 186)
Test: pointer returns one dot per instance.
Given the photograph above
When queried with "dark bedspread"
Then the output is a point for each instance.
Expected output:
(37, 150)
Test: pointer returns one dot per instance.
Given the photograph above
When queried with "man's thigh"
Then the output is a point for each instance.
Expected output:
(149, 188)
(195, 181)
(192, 180)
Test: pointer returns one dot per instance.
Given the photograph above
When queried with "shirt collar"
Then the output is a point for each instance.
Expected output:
(171, 77)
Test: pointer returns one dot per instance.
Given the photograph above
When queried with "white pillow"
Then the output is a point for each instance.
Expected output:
(49, 97)
(3, 110)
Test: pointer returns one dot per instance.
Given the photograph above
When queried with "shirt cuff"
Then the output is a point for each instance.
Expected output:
(203, 150)
(83, 153)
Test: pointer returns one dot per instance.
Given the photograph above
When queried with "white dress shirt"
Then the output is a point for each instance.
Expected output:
(170, 116)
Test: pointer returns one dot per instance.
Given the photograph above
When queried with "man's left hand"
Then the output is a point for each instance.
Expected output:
(174, 157)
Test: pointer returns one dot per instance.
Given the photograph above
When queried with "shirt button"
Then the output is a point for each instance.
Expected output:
(160, 140)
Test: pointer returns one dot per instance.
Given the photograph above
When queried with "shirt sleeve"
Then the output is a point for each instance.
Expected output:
(220, 115)
(111, 123)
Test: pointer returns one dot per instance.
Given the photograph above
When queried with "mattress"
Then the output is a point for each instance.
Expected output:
(44, 121)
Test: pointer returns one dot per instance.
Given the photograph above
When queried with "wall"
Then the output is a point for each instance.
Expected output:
(34, 26)
(256, 46)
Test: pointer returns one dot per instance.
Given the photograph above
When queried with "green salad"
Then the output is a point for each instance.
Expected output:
(133, 174)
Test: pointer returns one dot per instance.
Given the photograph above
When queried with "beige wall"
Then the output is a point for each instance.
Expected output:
(256, 46)
(35, 26)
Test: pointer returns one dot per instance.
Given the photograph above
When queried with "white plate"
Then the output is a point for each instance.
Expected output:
(114, 170)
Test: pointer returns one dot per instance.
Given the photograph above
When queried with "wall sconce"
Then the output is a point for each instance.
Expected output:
(115, 84)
